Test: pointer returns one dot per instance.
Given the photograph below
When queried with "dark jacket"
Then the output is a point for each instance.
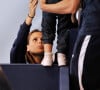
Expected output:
(18, 50)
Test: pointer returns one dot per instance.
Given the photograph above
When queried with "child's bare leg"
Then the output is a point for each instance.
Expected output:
(48, 56)
(62, 60)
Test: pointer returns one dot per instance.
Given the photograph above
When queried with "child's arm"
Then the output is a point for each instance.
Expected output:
(62, 7)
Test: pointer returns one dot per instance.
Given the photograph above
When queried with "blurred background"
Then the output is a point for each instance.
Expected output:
(12, 14)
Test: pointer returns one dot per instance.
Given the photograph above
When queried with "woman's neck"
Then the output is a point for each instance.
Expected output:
(34, 58)
(37, 58)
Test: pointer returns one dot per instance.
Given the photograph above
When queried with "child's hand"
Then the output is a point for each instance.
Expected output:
(42, 3)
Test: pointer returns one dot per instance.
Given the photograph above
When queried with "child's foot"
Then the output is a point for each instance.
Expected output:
(47, 60)
(61, 58)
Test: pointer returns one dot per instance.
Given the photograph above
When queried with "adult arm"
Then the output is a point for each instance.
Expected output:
(17, 54)
(18, 50)
(62, 7)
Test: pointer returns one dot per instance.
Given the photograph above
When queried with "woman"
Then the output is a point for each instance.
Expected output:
(85, 62)
(28, 46)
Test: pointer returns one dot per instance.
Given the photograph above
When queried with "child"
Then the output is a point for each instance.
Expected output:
(49, 23)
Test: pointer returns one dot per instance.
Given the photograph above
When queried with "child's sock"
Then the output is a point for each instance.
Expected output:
(61, 58)
(48, 59)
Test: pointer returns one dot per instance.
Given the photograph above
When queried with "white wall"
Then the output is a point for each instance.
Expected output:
(12, 14)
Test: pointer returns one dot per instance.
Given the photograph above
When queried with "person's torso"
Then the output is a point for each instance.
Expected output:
(90, 17)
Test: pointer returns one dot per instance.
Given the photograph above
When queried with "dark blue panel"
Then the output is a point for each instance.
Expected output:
(63, 78)
(32, 77)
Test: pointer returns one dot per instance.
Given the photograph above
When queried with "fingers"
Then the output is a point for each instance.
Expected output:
(32, 7)
(31, 1)
(34, 2)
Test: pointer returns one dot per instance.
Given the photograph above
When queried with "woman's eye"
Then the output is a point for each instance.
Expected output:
(35, 39)
(41, 39)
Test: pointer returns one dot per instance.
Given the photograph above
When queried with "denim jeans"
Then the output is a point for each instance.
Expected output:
(52, 23)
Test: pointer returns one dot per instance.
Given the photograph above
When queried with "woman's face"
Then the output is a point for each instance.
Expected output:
(35, 43)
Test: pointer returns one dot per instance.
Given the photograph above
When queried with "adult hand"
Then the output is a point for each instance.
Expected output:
(32, 7)
(31, 13)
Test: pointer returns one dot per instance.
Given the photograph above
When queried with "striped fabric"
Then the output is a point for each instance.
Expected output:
(81, 59)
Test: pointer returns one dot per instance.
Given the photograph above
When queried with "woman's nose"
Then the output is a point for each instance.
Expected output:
(39, 41)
